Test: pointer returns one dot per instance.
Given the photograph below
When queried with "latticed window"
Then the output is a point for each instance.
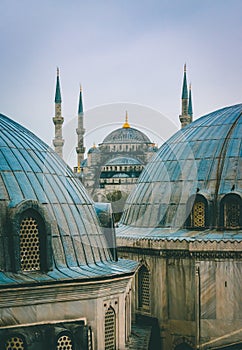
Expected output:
(232, 215)
(144, 287)
(29, 244)
(110, 329)
(199, 214)
(64, 343)
(14, 343)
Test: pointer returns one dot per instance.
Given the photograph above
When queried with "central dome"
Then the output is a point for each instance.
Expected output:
(126, 135)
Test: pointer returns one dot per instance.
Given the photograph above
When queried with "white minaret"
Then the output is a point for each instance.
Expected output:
(58, 120)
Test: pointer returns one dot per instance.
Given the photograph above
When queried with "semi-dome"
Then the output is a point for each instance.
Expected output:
(124, 161)
(49, 227)
(201, 164)
(126, 135)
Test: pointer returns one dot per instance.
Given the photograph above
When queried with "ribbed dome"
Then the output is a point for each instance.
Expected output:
(203, 158)
(126, 135)
(33, 175)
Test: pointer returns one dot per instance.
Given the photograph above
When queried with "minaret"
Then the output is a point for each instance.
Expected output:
(80, 149)
(184, 117)
(190, 111)
(58, 120)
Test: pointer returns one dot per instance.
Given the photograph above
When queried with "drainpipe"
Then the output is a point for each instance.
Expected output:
(198, 305)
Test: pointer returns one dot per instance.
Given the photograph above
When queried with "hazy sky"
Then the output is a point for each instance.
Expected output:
(129, 51)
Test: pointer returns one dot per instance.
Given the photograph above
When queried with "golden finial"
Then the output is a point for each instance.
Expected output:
(94, 145)
(78, 167)
(58, 71)
(80, 87)
(126, 124)
(185, 68)
(190, 86)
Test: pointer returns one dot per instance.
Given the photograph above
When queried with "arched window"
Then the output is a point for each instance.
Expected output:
(29, 244)
(197, 209)
(144, 288)
(64, 342)
(110, 329)
(231, 212)
(15, 343)
(198, 215)
(35, 252)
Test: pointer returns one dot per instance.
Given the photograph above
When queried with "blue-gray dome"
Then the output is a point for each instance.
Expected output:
(203, 159)
(34, 179)
(123, 161)
(126, 135)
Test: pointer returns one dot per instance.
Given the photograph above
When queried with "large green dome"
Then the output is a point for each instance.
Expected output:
(36, 181)
(202, 159)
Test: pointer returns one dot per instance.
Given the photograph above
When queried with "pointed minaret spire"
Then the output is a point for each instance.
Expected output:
(58, 120)
(184, 92)
(126, 124)
(80, 149)
(190, 111)
(80, 106)
(57, 90)
(185, 119)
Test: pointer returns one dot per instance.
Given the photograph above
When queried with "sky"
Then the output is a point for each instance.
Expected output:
(126, 54)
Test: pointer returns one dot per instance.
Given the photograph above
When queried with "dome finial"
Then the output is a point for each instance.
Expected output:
(126, 124)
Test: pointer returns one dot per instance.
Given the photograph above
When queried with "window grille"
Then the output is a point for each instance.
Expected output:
(198, 214)
(64, 343)
(15, 343)
(144, 287)
(29, 245)
(110, 330)
(232, 214)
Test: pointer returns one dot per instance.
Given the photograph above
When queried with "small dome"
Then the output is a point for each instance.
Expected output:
(204, 159)
(93, 149)
(121, 175)
(126, 135)
(124, 161)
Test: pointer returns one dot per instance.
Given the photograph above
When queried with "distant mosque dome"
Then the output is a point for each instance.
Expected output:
(126, 135)
(193, 182)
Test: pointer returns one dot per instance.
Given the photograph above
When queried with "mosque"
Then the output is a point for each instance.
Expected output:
(112, 168)
(68, 281)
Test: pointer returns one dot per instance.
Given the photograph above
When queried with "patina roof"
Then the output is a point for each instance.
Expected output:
(205, 157)
(30, 171)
